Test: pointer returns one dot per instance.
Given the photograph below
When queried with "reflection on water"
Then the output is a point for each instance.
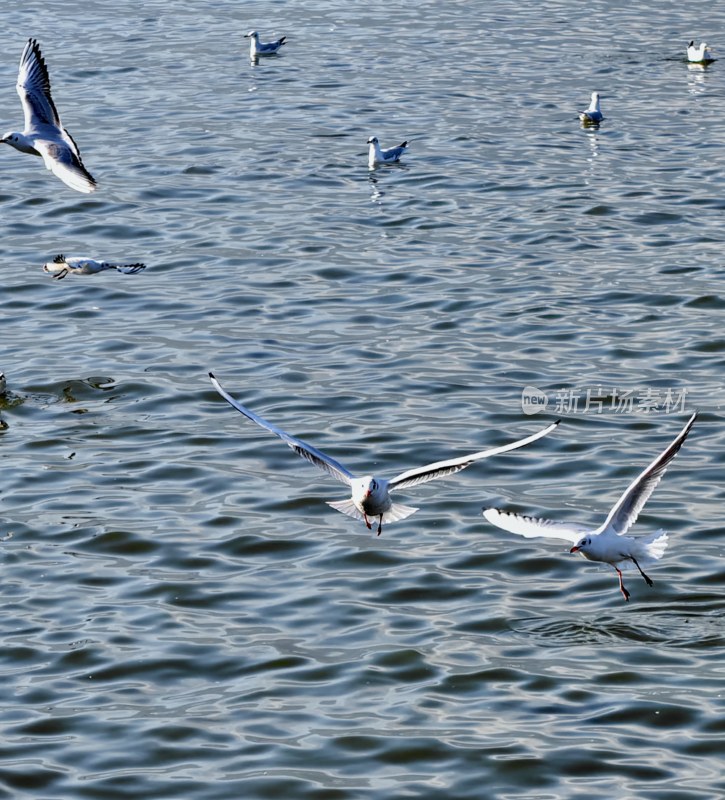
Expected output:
(593, 139)
(183, 618)
(697, 77)
(376, 192)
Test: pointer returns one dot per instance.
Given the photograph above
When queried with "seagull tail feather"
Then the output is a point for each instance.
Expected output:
(646, 550)
(346, 507)
(398, 511)
(395, 513)
(655, 545)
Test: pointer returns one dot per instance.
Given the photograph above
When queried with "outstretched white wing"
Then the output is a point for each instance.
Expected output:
(394, 153)
(534, 527)
(65, 163)
(307, 451)
(34, 90)
(625, 512)
(440, 469)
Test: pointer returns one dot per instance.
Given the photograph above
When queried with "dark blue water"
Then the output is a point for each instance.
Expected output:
(184, 617)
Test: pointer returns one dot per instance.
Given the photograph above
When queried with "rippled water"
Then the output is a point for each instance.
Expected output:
(183, 614)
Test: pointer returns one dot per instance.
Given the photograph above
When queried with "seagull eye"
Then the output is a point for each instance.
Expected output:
(374, 485)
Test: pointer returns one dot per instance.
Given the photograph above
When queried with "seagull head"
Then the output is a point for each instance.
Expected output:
(20, 142)
(251, 35)
(364, 488)
(583, 544)
(373, 140)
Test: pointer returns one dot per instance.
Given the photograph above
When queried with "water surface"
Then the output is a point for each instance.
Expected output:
(184, 616)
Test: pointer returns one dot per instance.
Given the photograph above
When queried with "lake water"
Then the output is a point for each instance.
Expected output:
(184, 617)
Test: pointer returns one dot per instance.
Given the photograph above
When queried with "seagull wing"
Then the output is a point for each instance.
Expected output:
(534, 527)
(440, 469)
(34, 89)
(625, 512)
(394, 153)
(312, 454)
(63, 161)
(128, 269)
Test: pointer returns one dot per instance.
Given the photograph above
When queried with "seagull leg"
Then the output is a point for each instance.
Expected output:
(649, 580)
(367, 521)
(380, 525)
(624, 592)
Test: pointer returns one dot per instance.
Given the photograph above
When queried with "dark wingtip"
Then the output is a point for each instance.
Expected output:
(59, 259)
(35, 47)
(211, 375)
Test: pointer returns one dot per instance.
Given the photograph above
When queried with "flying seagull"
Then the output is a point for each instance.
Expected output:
(61, 265)
(257, 48)
(389, 156)
(608, 542)
(593, 115)
(44, 134)
(370, 496)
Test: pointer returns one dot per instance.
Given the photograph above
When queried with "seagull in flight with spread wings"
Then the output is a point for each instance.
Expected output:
(370, 496)
(44, 134)
(608, 542)
(62, 265)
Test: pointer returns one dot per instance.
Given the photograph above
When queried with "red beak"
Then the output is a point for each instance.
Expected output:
(575, 549)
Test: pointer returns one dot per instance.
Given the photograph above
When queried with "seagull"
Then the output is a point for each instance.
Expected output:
(593, 115)
(378, 156)
(3, 384)
(699, 55)
(607, 543)
(44, 134)
(257, 48)
(60, 266)
(370, 496)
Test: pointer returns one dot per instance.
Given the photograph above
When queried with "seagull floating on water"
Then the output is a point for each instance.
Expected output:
(593, 115)
(3, 383)
(378, 156)
(370, 496)
(44, 134)
(607, 543)
(60, 266)
(257, 48)
(699, 55)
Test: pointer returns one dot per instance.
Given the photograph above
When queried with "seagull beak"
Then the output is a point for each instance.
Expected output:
(575, 549)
